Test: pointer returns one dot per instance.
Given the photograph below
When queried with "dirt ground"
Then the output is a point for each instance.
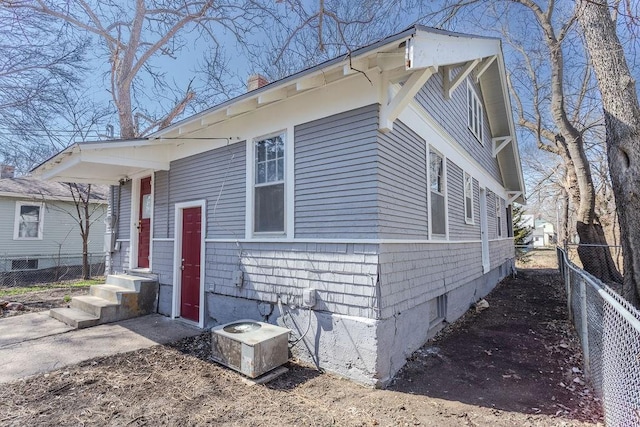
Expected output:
(516, 363)
(42, 300)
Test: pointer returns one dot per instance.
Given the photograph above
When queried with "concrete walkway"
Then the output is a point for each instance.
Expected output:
(35, 343)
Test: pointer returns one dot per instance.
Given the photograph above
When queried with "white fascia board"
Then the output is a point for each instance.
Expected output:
(432, 50)
(512, 131)
(47, 197)
(55, 170)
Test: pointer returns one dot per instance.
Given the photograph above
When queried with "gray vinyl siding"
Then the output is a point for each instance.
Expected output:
(219, 177)
(161, 208)
(60, 234)
(402, 192)
(124, 218)
(451, 114)
(336, 176)
(458, 228)
(163, 261)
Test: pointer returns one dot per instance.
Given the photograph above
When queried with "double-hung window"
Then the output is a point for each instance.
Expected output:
(468, 198)
(475, 114)
(28, 221)
(437, 189)
(269, 188)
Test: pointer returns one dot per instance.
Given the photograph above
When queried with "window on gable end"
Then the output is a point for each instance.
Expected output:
(475, 113)
(468, 198)
(269, 188)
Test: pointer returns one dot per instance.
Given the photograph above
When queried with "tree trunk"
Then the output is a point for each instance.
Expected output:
(622, 122)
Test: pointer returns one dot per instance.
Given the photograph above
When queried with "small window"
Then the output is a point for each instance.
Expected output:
(437, 188)
(28, 221)
(475, 114)
(468, 198)
(499, 216)
(269, 203)
(24, 264)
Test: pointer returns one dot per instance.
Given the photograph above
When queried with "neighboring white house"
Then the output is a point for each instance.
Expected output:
(379, 183)
(39, 235)
(542, 232)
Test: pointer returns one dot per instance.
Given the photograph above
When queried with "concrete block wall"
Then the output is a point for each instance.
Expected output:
(344, 275)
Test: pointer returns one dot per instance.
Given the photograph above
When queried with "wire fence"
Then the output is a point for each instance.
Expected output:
(46, 268)
(609, 331)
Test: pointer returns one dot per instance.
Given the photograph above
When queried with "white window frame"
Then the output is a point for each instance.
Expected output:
(287, 136)
(475, 120)
(16, 223)
(443, 192)
(467, 183)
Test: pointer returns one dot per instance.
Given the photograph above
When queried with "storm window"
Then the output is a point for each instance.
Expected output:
(269, 188)
(28, 221)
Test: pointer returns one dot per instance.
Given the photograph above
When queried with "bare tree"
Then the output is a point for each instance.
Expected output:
(134, 34)
(39, 62)
(622, 120)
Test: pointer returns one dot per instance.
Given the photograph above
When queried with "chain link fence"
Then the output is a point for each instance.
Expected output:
(46, 268)
(614, 250)
(609, 331)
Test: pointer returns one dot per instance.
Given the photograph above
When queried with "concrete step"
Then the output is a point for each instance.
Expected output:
(128, 281)
(95, 306)
(73, 317)
(111, 293)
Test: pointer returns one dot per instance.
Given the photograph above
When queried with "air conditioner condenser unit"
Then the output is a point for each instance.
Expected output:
(249, 347)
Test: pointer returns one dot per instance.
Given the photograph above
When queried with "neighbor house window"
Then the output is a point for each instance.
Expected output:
(269, 185)
(437, 189)
(468, 198)
(24, 264)
(475, 115)
(28, 221)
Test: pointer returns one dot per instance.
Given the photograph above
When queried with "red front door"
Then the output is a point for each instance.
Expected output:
(144, 222)
(190, 283)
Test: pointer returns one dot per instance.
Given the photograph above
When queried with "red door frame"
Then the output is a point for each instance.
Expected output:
(144, 224)
(190, 263)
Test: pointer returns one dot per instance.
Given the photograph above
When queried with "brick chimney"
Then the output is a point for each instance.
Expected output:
(256, 81)
(7, 171)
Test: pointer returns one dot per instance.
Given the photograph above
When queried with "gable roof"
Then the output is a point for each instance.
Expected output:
(34, 188)
(408, 56)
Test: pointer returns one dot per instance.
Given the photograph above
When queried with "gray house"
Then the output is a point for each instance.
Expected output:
(39, 234)
(379, 183)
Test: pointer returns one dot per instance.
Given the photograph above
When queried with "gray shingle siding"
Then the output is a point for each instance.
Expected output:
(344, 275)
(402, 184)
(412, 274)
(451, 114)
(335, 176)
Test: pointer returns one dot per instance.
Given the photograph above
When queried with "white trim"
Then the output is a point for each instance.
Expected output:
(135, 217)
(444, 236)
(45, 197)
(163, 239)
(16, 221)
(124, 240)
(346, 241)
(484, 230)
(177, 256)
(289, 185)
